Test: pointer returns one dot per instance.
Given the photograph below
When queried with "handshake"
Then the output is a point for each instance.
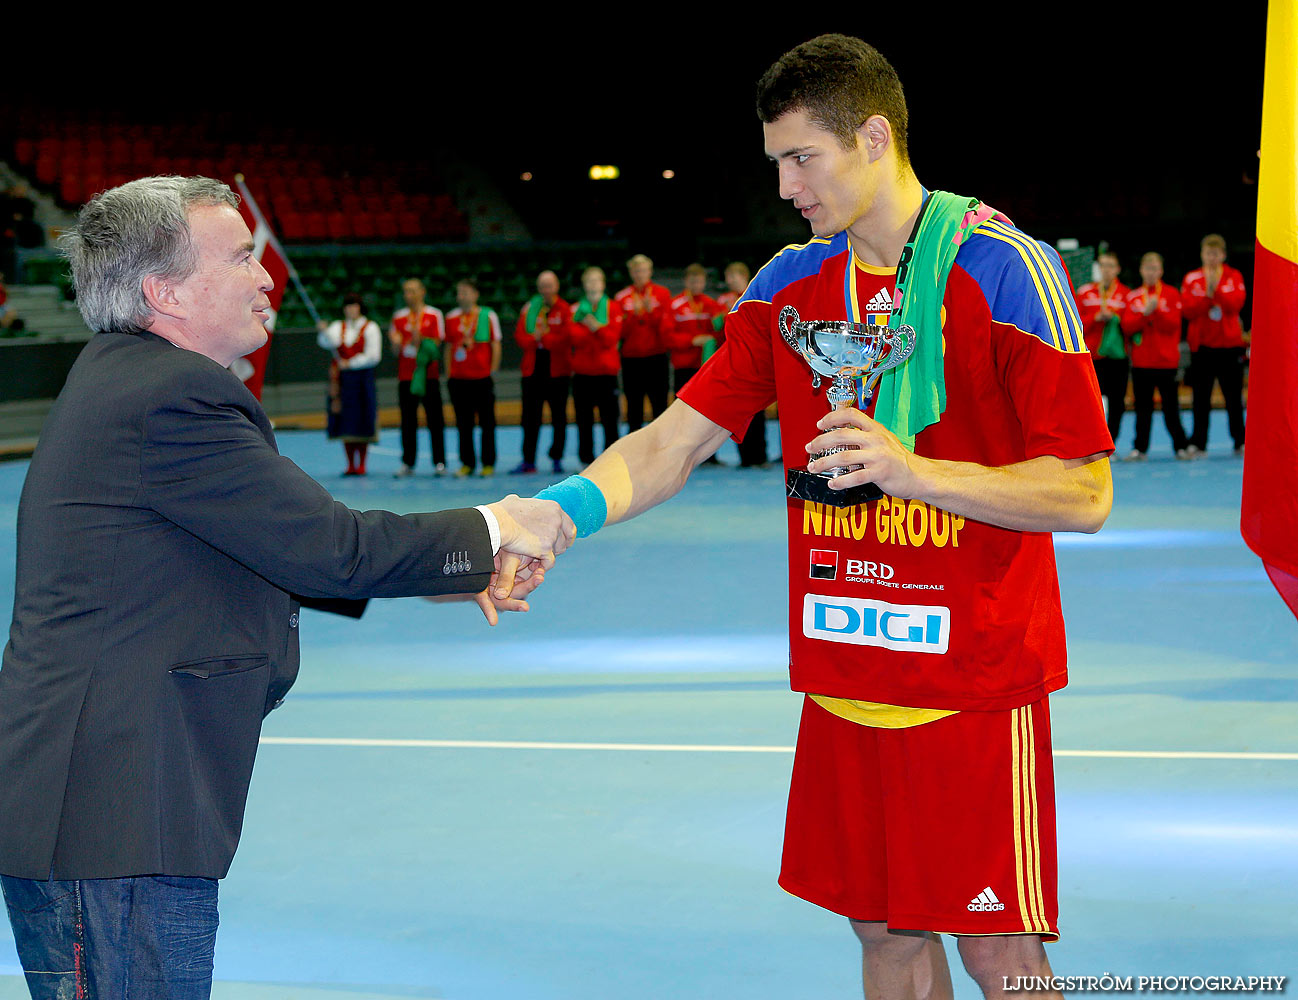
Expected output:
(532, 533)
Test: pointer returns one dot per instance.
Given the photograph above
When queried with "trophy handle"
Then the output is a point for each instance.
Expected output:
(789, 316)
(902, 344)
(897, 354)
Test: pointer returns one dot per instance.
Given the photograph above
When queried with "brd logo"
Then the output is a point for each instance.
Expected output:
(912, 628)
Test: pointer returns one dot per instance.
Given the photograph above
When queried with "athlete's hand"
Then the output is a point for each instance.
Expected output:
(526, 580)
(530, 531)
(883, 459)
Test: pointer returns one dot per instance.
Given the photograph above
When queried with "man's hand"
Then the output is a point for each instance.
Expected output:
(1151, 305)
(870, 445)
(530, 531)
(527, 579)
(591, 322)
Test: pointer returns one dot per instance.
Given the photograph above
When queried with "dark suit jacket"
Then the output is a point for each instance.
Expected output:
(161, 538)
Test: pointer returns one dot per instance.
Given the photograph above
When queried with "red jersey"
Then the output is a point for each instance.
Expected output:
(1214, 322)
(900, 602)
(470, 336)
(594, 352)
(550, 331)
(691, 317)
(646, 319)
(1159, 332)
(431, 326)
(1090, 297)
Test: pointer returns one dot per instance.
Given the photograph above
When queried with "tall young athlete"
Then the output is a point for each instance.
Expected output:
(926, 630)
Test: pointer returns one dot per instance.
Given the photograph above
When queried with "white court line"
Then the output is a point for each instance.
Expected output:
(312, 741)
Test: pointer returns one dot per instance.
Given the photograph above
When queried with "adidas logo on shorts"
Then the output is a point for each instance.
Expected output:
(985, 901)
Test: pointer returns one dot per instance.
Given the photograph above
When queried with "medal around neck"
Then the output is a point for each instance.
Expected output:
(853, 356)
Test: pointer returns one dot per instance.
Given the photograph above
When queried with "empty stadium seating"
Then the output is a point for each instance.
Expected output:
(306, 188)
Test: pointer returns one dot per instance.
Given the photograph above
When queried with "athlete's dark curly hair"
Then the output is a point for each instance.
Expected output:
(840, 82)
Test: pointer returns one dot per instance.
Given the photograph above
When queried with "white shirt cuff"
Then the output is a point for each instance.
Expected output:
(493, 528)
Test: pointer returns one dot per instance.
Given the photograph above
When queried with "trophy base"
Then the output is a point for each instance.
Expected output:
(803, 485)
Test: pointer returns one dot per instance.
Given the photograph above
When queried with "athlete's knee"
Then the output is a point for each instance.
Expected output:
(989, 960)
(878, 942)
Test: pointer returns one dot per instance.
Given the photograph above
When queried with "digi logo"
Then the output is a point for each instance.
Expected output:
(824, 564)
(908, 628)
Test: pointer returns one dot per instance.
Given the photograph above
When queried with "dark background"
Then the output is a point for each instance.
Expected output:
(1132, 124)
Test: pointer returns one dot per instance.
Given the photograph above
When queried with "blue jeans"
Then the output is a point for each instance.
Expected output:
(147, 938)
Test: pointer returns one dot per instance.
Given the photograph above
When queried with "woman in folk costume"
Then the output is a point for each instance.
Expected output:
(356, 344)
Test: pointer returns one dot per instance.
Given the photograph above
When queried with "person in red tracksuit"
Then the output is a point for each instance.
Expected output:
(1151, 318)
(1212, 298)
(1100, 304)
(411, 326)
(542, 332)
(646, 318)
(594, 334)
(692, 314)
(472, 357)
(752, 449)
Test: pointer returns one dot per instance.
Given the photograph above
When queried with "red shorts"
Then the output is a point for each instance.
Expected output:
(948, 826)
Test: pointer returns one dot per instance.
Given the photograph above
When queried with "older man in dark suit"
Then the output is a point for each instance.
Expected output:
(164, 548)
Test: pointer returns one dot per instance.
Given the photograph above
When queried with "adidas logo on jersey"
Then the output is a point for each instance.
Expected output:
(881, 303)
(985, 901)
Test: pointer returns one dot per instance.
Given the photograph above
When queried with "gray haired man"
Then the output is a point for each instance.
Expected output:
(164, 550)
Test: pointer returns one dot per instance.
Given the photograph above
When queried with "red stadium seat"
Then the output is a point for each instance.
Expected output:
(362, 226)
(47, 170)
(408, 227)
(338, 225)
(292, 226)
(70, 189)
(385, 226)
(314, 226)
(300, 188)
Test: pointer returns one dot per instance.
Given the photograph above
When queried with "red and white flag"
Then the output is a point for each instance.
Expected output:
(266, 248)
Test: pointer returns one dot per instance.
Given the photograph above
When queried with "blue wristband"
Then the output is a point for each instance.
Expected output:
(581, 500)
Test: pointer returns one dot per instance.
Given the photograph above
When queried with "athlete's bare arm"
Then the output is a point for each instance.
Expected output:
(643, 469)
(1041, 494)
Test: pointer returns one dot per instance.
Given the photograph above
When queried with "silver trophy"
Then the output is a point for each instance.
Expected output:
(853, 355)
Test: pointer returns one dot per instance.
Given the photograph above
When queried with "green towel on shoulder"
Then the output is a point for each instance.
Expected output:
(429, 351)
(599, 310)
(913, 396)
(1111, 342)
(535, 309)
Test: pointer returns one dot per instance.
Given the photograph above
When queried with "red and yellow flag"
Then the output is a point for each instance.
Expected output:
(1269, 512)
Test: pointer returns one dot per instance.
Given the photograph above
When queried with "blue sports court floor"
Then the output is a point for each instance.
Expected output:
(587, 802)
